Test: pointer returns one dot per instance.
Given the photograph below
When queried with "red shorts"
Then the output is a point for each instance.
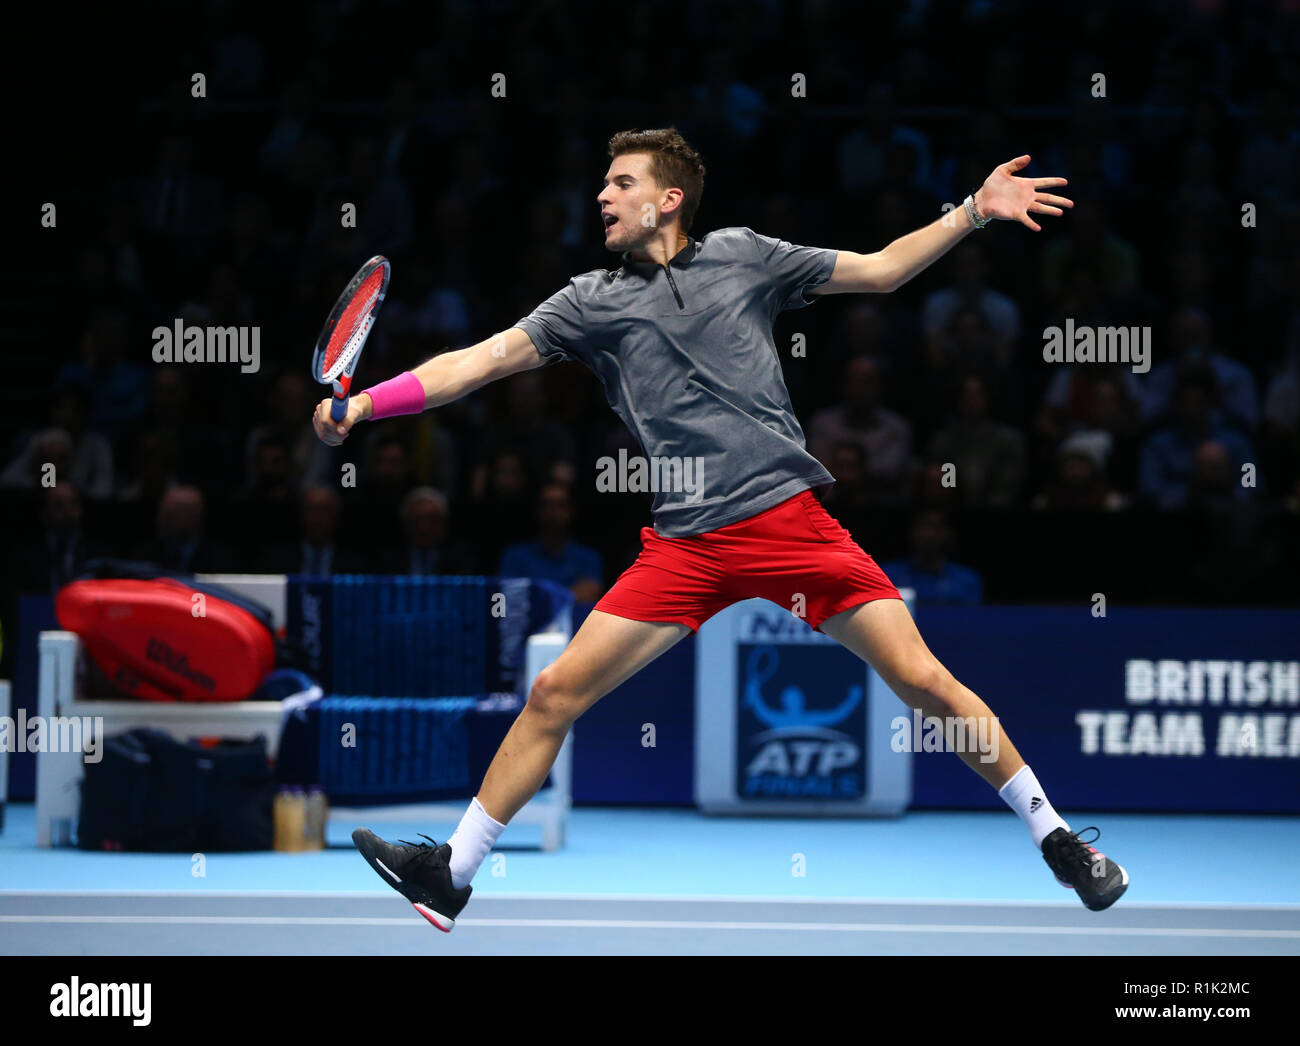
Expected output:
(793, 554)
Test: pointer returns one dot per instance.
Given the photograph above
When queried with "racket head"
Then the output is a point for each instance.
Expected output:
(338, 348)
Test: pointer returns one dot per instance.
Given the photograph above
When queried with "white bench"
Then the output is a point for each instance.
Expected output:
(58, 774)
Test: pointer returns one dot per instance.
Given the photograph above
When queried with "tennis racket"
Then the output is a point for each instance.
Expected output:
(344, 335)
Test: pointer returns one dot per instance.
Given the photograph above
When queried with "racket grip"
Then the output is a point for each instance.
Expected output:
(339, 408)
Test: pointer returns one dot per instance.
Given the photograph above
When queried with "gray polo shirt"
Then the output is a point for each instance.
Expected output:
(687, 359)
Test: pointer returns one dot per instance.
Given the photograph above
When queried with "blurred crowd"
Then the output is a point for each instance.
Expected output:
(933, 407)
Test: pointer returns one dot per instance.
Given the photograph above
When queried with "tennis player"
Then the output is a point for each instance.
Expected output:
(680, 336)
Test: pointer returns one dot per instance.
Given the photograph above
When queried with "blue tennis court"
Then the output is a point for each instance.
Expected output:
(673, 882)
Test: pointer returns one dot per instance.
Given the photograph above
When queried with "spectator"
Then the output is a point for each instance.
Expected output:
(380, 489)
(271, 494)
(156, 461)
(970, 289)
(502, 514)
(381, 198)
(574, 178)
(406, 149)
(1080, 483)
(317, 550)
(1214, 482)
(524, 430)
(1098, 402)
(851, 498)
(884, 436)
(1091, 240)
(1199, 192)
(936, 486)
(46, 456)
(60, 551)
(724, 104)
(290, 405)
(928, 571)
(81, 458)
(983, 134)
(864, 151)
(1192, 340)
(1169, 455)
(176, 202)
(965, 345)
(117, 386)
(288, 129)
(1084, 395)
(179, 543)
(1219, 517)
(553, 555)
(1092, 134)
(425, 550)
(863, 329)
(1270, 160)
(204, 450)
(1282, 413)
(434, 310)
(989, 456)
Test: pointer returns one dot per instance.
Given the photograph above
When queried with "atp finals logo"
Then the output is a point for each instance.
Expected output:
(802, 725)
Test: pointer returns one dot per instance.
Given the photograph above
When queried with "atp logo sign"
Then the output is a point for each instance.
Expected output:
(801, 723)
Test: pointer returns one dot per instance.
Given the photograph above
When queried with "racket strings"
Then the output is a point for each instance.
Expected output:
(346, 330)
(353, 327)
(350, 348)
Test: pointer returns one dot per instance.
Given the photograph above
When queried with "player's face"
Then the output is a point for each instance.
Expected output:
(629, 203)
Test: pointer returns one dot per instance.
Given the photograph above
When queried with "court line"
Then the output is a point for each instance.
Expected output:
(646, 924)
(1070, 903)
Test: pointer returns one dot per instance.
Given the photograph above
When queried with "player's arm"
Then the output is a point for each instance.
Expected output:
(1002, 196)
(444, 378)
(452, 375)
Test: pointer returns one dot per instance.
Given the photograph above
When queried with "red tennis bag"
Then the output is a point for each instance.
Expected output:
(164, 640)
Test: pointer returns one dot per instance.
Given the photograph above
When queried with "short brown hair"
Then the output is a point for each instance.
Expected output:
(673, 164)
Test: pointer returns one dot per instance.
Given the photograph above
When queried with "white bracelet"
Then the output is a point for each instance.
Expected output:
(972, 213)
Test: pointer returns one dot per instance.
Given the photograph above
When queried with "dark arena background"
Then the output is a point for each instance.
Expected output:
(1107, 550)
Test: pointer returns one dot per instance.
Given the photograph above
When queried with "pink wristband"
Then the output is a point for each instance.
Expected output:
(403, 394)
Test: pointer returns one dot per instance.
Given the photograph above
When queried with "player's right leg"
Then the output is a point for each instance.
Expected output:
(606, 651)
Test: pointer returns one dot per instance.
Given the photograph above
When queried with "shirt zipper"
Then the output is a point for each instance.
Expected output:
(673, 284)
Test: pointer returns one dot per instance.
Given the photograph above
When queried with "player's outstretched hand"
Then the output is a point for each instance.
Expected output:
(331, 432)
(1014, 199)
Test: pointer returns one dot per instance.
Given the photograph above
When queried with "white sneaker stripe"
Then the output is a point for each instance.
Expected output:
(396, 878)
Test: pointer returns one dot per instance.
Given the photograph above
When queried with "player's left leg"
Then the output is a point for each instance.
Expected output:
(883, 634)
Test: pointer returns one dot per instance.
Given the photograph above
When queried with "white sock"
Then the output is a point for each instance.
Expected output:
(471, 842)
(1026, 797)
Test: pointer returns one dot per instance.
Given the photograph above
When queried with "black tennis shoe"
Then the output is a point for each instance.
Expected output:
(420, 872)
(1098, 880)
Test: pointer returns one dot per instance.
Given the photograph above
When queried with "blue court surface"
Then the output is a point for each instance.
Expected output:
(678, 882)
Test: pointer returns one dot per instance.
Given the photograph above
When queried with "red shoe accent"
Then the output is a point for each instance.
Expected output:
(430, 916)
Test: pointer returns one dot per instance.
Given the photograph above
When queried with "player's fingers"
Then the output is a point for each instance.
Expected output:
(1046, 197)
(1042, 208)
(351, 416)
(324, 424)
(1017, 163)
(1026, 220)
(1040, 183)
